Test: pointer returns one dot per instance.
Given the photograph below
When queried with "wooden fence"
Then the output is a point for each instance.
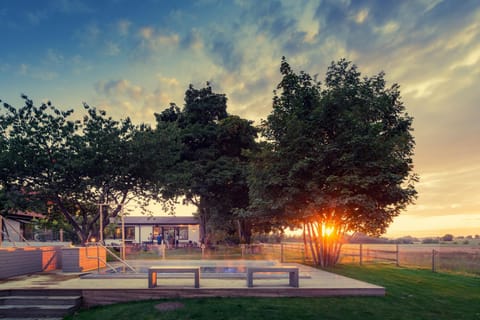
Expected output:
(451, 258)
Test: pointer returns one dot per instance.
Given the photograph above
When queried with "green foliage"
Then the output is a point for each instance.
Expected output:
(337, 157)
(66, 168)
(210, 172)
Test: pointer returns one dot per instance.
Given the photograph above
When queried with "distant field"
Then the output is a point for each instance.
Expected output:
(411, 294)
(440, 257)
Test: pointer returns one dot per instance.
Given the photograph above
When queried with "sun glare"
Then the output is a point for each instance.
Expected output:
(327, 231)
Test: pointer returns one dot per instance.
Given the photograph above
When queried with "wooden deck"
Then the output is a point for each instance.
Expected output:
(94, 297)
(102, 290)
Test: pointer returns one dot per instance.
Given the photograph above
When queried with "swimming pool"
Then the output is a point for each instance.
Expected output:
(213, 269)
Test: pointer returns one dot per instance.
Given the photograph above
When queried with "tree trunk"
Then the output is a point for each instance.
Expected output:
(244, 231)
(325, 248)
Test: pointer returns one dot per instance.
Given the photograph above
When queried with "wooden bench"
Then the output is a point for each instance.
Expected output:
(292, 272)
(153, 271)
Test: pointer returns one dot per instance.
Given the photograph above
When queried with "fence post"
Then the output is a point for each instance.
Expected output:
(397, 256)
(361, 254)
(434, 267)
(98, 259)
(281, 252)
(1, 230)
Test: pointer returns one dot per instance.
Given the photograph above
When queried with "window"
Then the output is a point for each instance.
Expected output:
(130, 233)
(183, 233)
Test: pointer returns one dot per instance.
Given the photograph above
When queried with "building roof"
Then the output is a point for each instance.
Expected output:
(24, 215)
(152, 220)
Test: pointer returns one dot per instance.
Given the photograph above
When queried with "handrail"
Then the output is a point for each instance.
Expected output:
(99, 259)
(124, 262)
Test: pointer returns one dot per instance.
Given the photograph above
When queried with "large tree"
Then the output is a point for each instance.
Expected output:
(211, 171)
(70, 167)
(338, 157)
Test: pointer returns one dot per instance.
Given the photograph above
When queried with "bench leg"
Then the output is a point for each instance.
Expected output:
(152, 279)
(293, 279)
(197, 279)
(249, 279)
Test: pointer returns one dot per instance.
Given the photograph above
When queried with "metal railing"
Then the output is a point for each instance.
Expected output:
(112, 253)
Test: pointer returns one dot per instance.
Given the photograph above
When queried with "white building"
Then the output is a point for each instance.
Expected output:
(141, 229)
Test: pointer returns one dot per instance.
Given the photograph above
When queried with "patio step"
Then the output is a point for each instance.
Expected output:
(30, 306)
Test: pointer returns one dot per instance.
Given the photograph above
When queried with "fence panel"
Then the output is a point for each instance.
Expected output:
(454, 258)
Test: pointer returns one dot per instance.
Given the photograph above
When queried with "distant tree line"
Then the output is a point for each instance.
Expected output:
(331, 158)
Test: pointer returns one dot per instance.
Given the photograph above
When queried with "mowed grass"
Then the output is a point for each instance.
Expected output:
(411, 294)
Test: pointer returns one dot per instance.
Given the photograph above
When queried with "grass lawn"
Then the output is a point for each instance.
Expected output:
(411, 294)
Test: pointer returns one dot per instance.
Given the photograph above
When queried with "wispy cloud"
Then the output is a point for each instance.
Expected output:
(89, 34)
(123, 27)
(120, 87)
(138, 58)
(112, 49)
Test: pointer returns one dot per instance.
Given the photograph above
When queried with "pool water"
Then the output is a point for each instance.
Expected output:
(215, 269)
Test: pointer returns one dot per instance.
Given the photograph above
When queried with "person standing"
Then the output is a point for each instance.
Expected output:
(159, 239)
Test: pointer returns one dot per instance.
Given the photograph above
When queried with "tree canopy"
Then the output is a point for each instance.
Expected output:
(338, 157)
(211, 171)
(334, 158)
(72, 166)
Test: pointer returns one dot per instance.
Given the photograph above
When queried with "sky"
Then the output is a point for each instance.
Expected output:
(132, 58)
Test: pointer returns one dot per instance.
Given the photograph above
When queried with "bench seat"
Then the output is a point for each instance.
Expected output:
(292, 272)
(153, 271)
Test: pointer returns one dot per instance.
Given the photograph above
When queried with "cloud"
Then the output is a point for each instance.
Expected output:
(123, 27)
(123, 98)
(425, 88)
(192, 40)
(35, 17)
(89, 34)
(361, 16)
(79, 65)
(23, 69)
(112, 49)
(54, 57)
(168, 90)
(455, 186)
(151, 44)
(36, 73)
(224, 48)
(120, 87)
(470, 59)
(146, 33)
(387, 28)
(430, 47)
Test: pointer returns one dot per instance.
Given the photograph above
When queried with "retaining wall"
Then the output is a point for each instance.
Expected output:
(80, 259)
(26, 260)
